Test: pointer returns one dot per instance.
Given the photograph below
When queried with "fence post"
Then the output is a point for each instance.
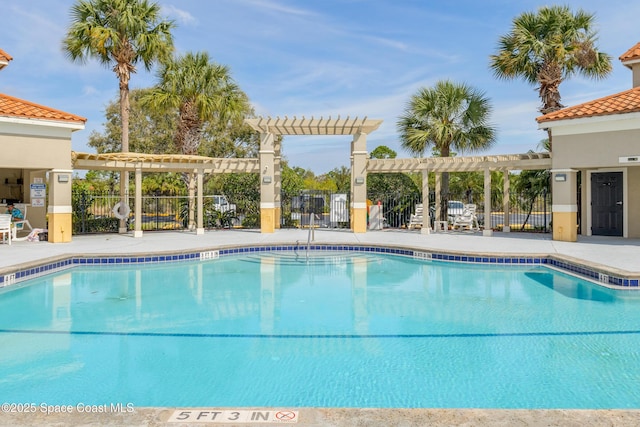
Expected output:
(83, 207)
(488, 231)
(544, 196)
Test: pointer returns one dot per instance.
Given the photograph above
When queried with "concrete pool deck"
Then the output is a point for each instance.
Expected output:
(611, 254)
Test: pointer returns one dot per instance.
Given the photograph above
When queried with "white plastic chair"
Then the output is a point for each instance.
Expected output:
(21, 223)
(467, 219)
(416, 218)
(5, 227)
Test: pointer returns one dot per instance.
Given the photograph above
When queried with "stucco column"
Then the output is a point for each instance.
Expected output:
(199, 201)
(267, 183)
(426, 222)
(60, 210)
(487, 204)
(137, 232)
(359, 183)
(277, 177)
(37, 213)
(584, 211)
(506, 206)
(565, 205)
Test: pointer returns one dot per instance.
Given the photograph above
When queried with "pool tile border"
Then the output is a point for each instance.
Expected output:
(591, 273)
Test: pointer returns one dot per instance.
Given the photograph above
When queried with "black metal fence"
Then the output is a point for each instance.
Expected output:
(527, 213)
(329, 210)
(94, 212)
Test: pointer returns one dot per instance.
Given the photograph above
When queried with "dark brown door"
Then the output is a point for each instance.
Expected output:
(606, 204)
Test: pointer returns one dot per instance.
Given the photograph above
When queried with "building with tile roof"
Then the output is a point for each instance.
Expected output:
(36, 154)
(4, 59)
(596, 162)
(11, 107)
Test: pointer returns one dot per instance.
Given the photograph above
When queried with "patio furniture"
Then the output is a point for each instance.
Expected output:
(467, 219)
(20, 225)
(416, 218)
(5, 227)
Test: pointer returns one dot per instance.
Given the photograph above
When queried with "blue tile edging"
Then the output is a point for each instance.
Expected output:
(18, 275)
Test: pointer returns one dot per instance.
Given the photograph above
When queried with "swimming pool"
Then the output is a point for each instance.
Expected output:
(336, 329)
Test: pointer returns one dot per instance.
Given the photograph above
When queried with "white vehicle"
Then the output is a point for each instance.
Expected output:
(221, 204)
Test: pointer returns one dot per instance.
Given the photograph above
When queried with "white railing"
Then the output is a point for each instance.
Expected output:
(311, 237)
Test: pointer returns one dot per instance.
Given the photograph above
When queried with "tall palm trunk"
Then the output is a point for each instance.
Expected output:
(550, 77)
(188, 135)
(124, 115)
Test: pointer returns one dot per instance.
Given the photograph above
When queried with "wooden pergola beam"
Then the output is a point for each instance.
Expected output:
(312, 126)
(162, 163)
(529, 161)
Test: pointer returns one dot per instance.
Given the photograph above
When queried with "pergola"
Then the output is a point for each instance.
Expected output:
(270, 156)
(486, 164)
(270, 150)
(139, 163)
(267, 165)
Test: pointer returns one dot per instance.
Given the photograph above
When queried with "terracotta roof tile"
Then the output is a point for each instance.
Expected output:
(619, 103)
(4, 56)
(14, 107)
(631, 55)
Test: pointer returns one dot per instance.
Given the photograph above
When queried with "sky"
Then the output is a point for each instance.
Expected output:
(320, 58)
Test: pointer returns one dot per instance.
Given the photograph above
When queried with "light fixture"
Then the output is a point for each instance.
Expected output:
(266, 179)
(359, 180)
(63, 178)
(560, 177)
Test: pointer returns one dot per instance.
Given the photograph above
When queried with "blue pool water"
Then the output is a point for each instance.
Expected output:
(334, 330)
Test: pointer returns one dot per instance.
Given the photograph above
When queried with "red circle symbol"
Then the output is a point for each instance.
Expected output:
(285, 415)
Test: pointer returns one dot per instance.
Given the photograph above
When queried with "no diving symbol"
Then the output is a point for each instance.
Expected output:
(285, 415)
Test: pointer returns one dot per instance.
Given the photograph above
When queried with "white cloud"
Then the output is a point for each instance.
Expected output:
(181, 16)
(90, 90)
(279, 7)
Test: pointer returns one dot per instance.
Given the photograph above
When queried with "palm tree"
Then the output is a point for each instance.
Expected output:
(202, 92)
(119, 34)
(546, 48)
(447, 116)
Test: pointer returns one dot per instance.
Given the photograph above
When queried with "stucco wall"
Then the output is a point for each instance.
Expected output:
(600, 149)
(35, 152)
(633, 201)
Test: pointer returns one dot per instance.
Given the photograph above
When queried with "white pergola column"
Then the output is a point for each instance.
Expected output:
(199, 198)
(438, 197)
(426, 214)
(137, 209)
(506, 205)
(487, 203)
(124, 198)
